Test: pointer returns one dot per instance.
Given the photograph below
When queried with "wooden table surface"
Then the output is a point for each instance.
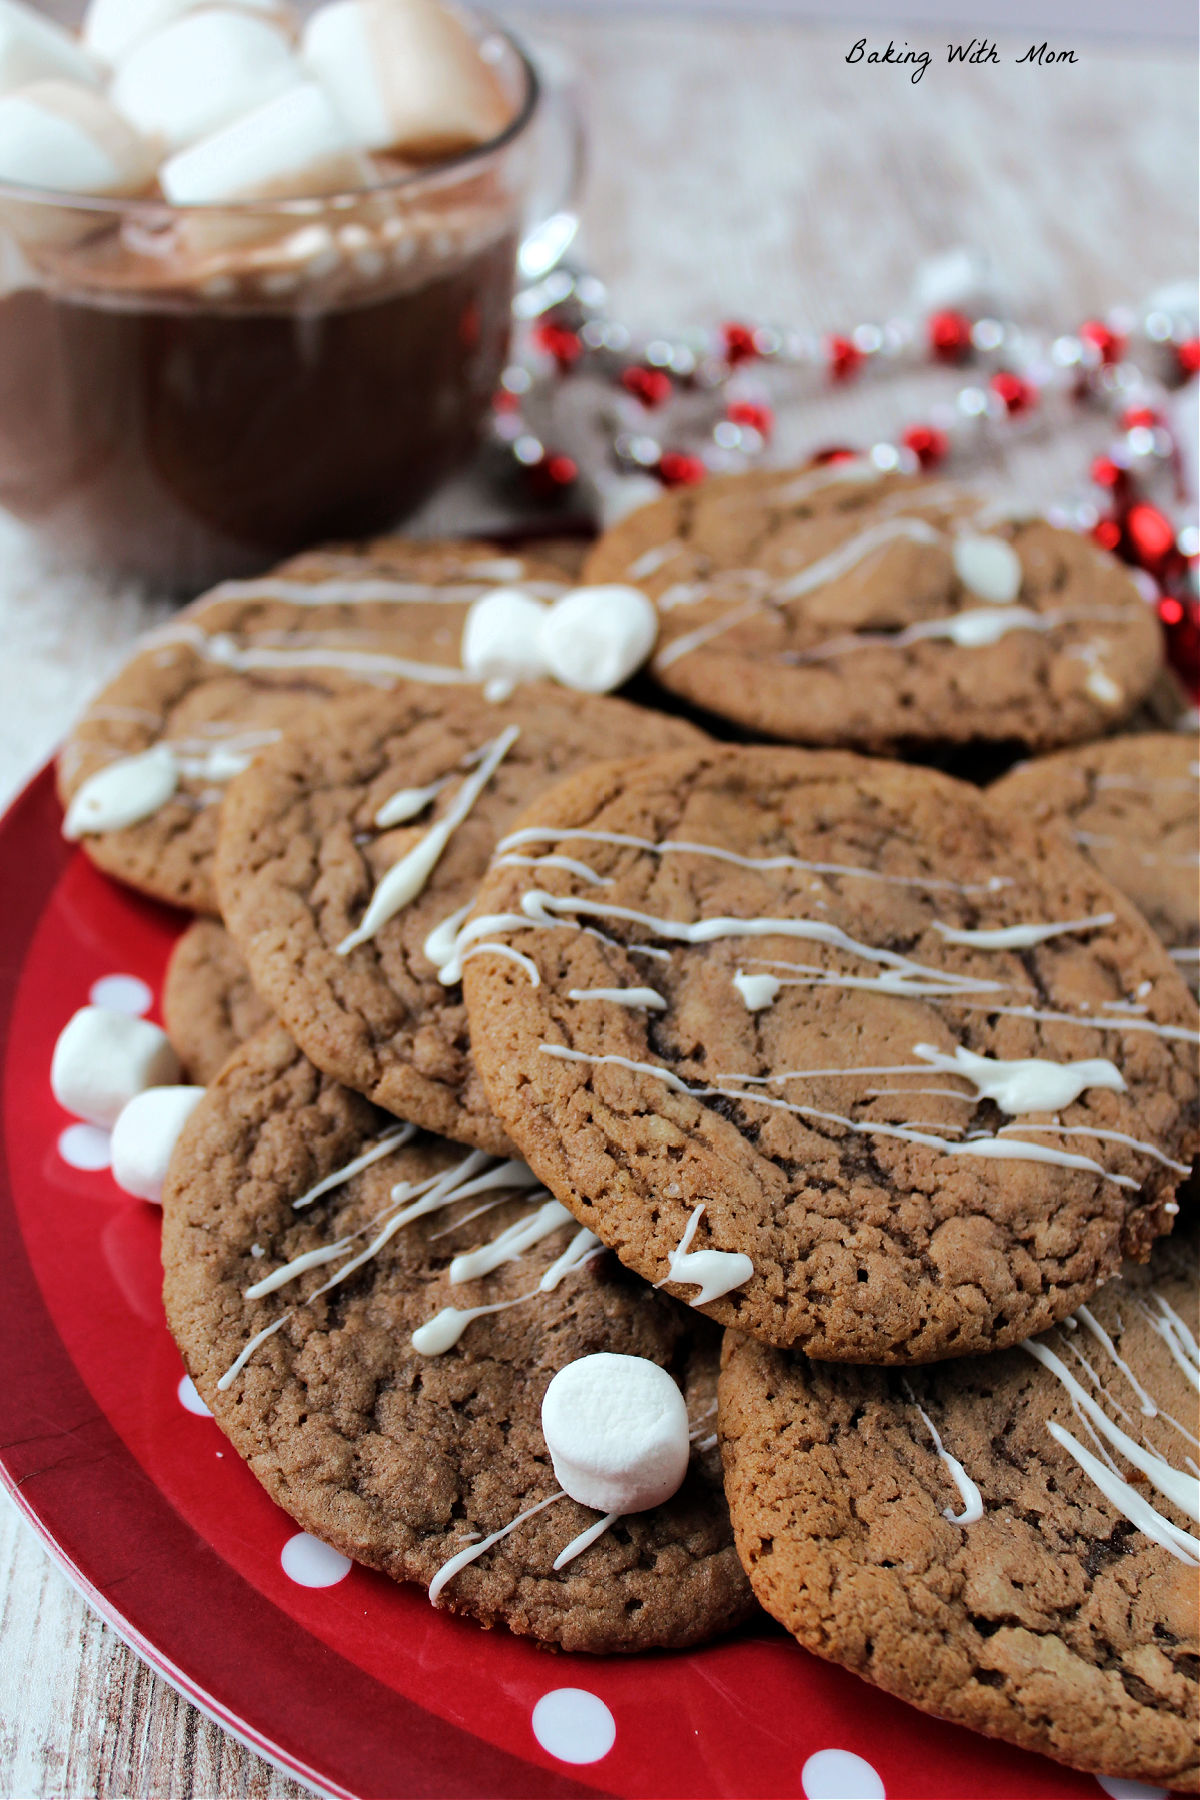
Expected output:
(737, 167)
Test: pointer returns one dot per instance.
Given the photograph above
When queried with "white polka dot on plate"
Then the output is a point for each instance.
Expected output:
(574, 1725)
(1118, 1789)
(312, 1564)
(840, 1775)
(84, 1147)
(121, 993)
(190, 1400)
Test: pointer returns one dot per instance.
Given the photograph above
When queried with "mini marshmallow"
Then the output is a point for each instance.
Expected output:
(111, 28)
(502, 641)
(405, 75)
(145, 1136)
(66, 137)
(595, 637)
(616, 1428)
(989, 567)
(102, 1059)
(34, 48)
(293, 146)
(192, 77)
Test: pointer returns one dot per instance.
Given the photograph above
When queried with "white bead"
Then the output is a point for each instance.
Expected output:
(617, 1431)
(502, 640)
(404, 75)
(102, 1059)
(34, 48)
(595, 637)
(64, 136)
(145, 1135)
(293, 145)
(187, 80)
(988, 566)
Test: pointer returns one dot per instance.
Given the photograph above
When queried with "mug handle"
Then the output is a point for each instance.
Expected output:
(552, 214)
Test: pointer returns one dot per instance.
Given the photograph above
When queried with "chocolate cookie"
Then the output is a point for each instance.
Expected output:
(837, 605)
(209, 1002)
(1132, 805)
(884, 1073)
(208, 690)
(307, 868)
(1008, 1542)
(405, 1458)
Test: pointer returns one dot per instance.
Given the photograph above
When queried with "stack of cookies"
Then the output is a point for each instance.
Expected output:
(648, 1171)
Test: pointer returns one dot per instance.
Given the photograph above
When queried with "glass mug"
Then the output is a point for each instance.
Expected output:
(190, 393)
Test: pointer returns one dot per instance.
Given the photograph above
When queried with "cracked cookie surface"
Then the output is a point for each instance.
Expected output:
(769, 983)
(1048, 1620)
(230, 672)
(833, 606)
(1130, 804)
(301, 856)
(209, 1002)
(402, 1460)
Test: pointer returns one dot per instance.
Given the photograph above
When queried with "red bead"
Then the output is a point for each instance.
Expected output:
(1181, 628)
(1189, 356)
(927, 444)
(1150, 536)
(677, 469)
(739, 343)
(1110, 345)
(651, 386)
(834, 453)
(564, 345)
(950, 336)
(758, 418)
(845, 358)
(1170, 610)
(1136, 416)
(1018, 395)
(504, 402)
(1107, 534)
(1106, 474)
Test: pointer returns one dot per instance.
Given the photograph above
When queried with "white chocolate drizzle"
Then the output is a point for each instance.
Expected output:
(1021, 937)
(391, 1140)
(1182, 1490)
(972, 1499)
(122, 793)
(244, 656)
(645, 999)
(584, 1541)
(715, 1272)
(450, 1569)
(534, 834)
(405, 880)
(757, 991)
(1025, 1084)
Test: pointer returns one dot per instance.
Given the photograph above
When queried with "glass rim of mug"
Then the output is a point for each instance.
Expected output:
(446, 170)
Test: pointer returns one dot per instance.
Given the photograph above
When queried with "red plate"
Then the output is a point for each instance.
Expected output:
(357, 1686)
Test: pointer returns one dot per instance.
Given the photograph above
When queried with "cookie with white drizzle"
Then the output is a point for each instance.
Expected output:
(143, 773)
(354, 845)
(964, 1091)
(1009, 1542)
(1132, 805)
(837, 605)
(209, 1002)
(406, 1459)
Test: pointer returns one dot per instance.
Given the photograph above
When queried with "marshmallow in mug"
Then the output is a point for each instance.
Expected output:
(617, 1430)
(111, 28)
(102, 1059)
(145, 1135)
(66, 137)
(294, 145)
(203, 70)
(34, 48)
(405, 75)
(591, 639)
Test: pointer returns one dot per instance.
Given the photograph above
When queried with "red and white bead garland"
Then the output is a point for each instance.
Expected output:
(676, 409)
